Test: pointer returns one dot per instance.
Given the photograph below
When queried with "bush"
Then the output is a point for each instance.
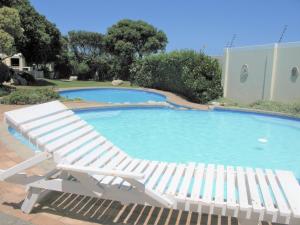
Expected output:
(81, 70)
(188, 73)
(4, 73)
(30, 96)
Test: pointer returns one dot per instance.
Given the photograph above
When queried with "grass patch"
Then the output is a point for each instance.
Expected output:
(46, 83)
(271, 106)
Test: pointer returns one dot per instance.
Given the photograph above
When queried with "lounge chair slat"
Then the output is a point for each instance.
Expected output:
(280, 200)
(242, 189)
(113, 163)
(93, 155)
(152, 165)
(253, 188)
(23, 115)
(187, 180)
(59, 133)
(166, 177)
(103, 160)
(291, 189)
(129, 168)
(121, 166)
(231, 190)
(82, 151)
(198, 178)
(45, 121)
(82, 142)
(268, 201)
(156, 175)
(219, 196)
(46, 129)
(141, 166)
(176, 179)
(55, 145)
(209, 182)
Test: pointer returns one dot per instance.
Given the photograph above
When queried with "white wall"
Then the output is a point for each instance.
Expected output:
(286, 87)
(268, 73)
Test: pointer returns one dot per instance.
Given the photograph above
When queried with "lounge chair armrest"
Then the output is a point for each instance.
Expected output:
(105, 172)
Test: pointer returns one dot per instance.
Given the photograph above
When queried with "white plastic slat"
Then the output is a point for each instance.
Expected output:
(114, 162)
(253, 188)
(45, 121)
(209, 182)
(129, 168)
(219, 195)
(175, 179)
(198, 179)
(291, 188)
(187, 180)
(94, 155)
(231, 197)
(156, 175)
(59, 133)
(166, 177)
(149, 171)
(242, 189)
(105, 158)
(268, 201)
(280, 200)
(121, 166)
(83, 150)
(67, 139)
(141, 167)
(50, 127)
(86, 139)
(31, 113)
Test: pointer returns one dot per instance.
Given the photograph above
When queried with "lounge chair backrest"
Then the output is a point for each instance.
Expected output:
(25, 115)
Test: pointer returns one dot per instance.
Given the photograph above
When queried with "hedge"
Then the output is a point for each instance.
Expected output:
(193, 75)
(30, 96)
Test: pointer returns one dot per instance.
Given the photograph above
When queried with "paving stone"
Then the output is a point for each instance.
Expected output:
(11, 220)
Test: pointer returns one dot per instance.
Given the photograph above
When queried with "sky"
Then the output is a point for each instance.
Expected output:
(192, 24)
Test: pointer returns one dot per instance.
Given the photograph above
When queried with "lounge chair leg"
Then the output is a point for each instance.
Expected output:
(33, 196)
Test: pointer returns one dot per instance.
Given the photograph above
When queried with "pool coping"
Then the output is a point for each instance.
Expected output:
(171, 98)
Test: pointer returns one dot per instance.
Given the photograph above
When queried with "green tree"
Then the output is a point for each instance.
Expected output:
(85, 45)
(62, 65)
(86, 49)
(10, 28)
(129, 39)
(40, 42)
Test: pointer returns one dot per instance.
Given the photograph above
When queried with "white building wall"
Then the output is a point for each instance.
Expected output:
(261, 73)
(286, 86)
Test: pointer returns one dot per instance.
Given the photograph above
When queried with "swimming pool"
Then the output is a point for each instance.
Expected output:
(114, 95)
(219, 137)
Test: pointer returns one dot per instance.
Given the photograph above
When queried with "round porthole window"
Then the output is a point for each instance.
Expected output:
(244, 73)
(294, 74)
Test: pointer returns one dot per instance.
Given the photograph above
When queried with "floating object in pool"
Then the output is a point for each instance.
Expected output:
(262, 140)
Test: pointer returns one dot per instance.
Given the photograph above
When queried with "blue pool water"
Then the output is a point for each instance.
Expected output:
(114, 95)
(218, 137)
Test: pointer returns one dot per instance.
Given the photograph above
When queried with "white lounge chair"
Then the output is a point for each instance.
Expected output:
(100, 169)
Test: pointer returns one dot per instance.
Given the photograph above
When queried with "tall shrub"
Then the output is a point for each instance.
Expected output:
(193, 75)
